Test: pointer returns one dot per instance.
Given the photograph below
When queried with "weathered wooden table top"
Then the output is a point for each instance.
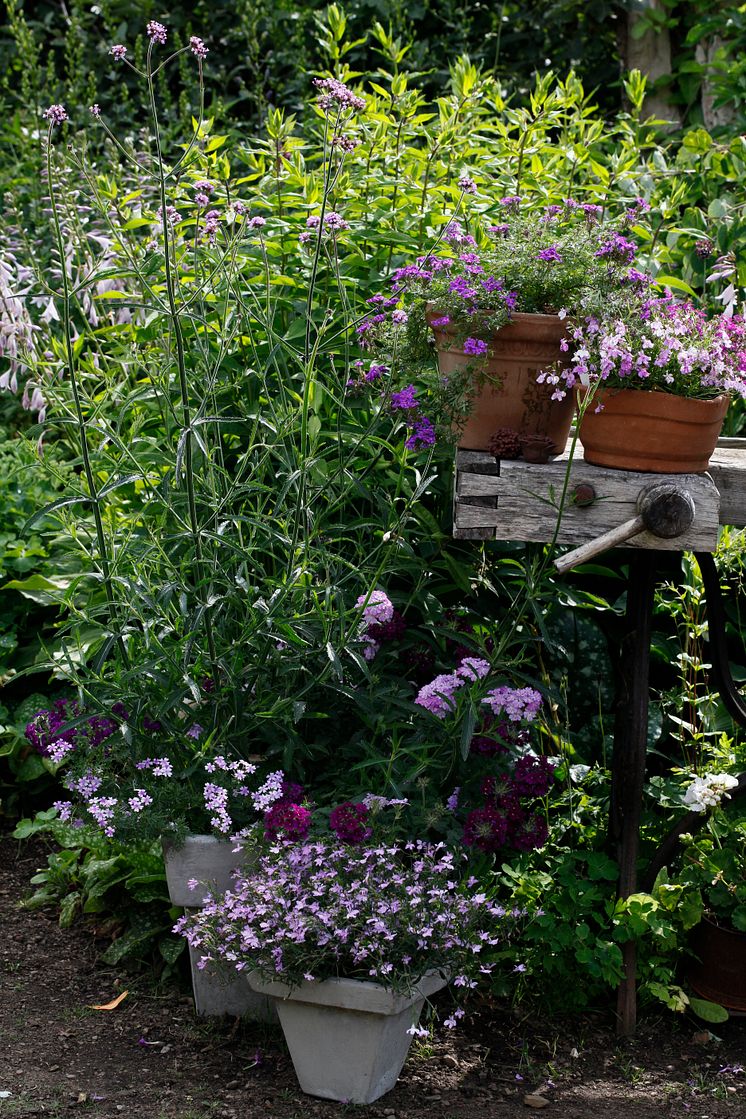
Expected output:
(515, 500)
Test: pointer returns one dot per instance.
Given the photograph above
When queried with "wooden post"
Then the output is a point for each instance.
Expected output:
(628, 762)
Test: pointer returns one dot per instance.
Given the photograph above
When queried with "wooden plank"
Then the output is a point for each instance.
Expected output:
(527, 500)
(728, 472)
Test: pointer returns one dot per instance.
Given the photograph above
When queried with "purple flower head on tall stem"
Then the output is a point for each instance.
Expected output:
(118, 52)
(467, 185)
(198, 48)
(156, 32)
(55, 114)
(335, 95)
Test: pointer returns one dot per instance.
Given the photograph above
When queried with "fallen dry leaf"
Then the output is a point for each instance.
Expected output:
(111, 1005)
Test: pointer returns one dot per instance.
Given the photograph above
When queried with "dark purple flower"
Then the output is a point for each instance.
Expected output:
(486, 829)
(388, 631)
(286, 819)
(467, 185)
(550, 255)
(348, 822)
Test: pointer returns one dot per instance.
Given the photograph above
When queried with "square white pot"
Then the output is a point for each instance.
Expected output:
(212, 862)
(347, 1038)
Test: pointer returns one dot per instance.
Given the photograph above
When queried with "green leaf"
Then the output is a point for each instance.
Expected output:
(709, 1011)
(675, 283)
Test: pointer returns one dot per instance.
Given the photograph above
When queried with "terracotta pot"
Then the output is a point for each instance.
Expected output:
(510, 396)
(719, 973)
(652, 431)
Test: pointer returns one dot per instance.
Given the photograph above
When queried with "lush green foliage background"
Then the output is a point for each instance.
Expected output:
(305, 496)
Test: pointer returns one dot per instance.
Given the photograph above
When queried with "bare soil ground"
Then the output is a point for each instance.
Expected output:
(150, 1058)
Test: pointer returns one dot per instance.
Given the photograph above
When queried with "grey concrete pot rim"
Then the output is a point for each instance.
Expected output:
(349, 994)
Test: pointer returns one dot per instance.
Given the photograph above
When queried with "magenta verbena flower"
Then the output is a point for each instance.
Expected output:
(197, 47)
(287, 820)
(156, 32)
(55, 114)
(349, 822)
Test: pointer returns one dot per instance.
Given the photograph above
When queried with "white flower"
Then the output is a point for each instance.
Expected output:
(708, 791)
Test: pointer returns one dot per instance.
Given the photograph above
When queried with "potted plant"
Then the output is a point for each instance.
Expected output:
(657, 384)
(714, 864)
(350, 936)
(498, 306)
(137, 785)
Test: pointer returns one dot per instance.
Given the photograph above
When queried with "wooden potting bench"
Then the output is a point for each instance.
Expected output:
(647, 513)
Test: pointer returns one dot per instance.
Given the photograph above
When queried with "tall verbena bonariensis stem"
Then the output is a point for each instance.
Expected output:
(82, 429)
(186, 413)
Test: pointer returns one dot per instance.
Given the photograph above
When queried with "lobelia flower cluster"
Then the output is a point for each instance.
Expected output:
(665, 345)
(386, 912)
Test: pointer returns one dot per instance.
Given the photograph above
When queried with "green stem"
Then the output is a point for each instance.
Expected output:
(70, 357)
(183, 383)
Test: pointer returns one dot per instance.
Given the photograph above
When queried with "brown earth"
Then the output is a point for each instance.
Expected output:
(151, 1059)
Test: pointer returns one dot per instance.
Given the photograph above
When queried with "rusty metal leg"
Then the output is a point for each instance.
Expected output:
(628, 763)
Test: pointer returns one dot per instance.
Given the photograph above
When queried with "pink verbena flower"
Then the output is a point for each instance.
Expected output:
(118, 52)
(197, 47)
(156, 32)
(55, 114)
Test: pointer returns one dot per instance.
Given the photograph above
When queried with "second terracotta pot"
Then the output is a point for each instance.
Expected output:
(652, 431)
(719, 972)
(509, 395)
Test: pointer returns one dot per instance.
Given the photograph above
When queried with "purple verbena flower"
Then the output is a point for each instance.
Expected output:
(198, 48)
(475, 347)
(156, 32)
(55, 114)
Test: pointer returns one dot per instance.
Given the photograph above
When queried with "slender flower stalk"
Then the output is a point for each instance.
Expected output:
(187, 430)
(72, 373)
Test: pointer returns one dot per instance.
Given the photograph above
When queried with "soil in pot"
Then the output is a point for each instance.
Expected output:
(509, 396)
(651, 431)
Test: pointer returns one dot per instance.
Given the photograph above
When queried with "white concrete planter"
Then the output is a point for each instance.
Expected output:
(212, 862)
(348, 1039)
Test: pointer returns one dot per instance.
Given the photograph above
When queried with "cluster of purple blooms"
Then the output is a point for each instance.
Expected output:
(504, 820)
(438, 697)
(386, 912)
(670, 346)
(51, 735)
(335, 97)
